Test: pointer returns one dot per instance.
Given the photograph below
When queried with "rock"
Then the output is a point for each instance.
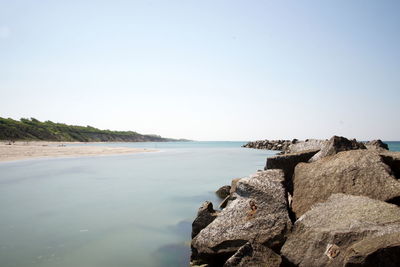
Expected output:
(205, 215)
(224, 202)
(254, 255)
(392, 159)
(322, 236)
(258, 214)
(309, 144)
(337, 144)
(223, 191)
(231, 191)
(376, 144)
(281, 145)
(287, 163)
(356, 172)
(334, 145)
(382, 250)
(234, 185)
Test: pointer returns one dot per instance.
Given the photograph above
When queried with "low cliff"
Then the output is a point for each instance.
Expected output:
(32, 129)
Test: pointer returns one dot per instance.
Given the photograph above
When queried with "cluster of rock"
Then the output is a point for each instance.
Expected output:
(333, 206)
(280, 145)
(376, 144)
(287, 146)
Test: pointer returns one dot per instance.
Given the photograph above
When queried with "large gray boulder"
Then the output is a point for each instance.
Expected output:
(223, 191)
(205, 215)
(254, 255)
(335, 145)
(309, 144)
(356, 172)
(257, 213)
(376, 144)
(383, 250)
(287, 163)
(322, 236)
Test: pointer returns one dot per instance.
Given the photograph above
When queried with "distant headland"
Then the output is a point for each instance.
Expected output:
(35, 130)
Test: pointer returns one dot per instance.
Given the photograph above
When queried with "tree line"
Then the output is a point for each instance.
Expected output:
(33, 129)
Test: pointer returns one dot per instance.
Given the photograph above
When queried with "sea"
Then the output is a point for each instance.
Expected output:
(124, 210)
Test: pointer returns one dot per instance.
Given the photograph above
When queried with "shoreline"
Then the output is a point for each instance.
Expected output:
(22, 150)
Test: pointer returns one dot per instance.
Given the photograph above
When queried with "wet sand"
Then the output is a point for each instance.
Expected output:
(32, 150)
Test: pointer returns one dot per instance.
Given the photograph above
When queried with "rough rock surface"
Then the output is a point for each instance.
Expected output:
(382, 250)
(254, 255)
(223, 191)
(337, 144)
(309, 144)
(356, 172)
(287, 163)
(322, 236)
(205, 215)
(376, 144)
(258, 214)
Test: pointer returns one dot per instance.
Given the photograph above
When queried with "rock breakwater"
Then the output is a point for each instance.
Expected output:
(281, 145)
(324, 203)
(336, 142)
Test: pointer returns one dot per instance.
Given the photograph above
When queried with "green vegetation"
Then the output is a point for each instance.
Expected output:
(33, 129)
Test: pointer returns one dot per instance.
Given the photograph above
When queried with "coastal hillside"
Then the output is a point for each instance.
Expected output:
(33, 129)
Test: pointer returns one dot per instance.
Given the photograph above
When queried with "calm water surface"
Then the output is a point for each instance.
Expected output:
(393, 145)
(131, 210)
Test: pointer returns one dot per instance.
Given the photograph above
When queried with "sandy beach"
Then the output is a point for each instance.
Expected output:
(31, 150)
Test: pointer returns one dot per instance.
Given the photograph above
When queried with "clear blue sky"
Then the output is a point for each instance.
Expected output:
(205, 70)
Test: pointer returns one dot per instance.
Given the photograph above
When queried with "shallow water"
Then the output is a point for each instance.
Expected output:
(130, 210)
